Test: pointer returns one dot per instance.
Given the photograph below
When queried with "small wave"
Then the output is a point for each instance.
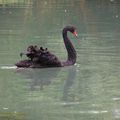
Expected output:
(8, 67)
(96, 112)
(78, 65)
(91, 112)
(5, 108)
(115, 99)
(67, 103)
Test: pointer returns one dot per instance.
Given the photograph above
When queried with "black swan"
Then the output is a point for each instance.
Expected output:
(42, 58)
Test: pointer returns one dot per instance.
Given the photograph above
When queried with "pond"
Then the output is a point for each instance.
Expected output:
(89, 90)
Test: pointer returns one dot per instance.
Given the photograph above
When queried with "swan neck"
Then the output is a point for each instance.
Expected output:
(71, 59)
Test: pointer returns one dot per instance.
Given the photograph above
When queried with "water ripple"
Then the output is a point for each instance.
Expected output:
(8, 67)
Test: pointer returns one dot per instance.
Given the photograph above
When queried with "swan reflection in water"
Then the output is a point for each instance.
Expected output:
(39, 78)
(69, 82)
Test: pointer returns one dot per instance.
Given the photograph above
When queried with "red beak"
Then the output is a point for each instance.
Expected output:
(75, 33)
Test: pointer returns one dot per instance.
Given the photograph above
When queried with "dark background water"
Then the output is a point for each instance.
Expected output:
(87, 91)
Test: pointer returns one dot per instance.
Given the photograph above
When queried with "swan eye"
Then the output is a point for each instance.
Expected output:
(75, 33)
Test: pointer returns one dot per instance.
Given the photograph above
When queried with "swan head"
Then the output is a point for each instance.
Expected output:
(75, 33)
(71, 29)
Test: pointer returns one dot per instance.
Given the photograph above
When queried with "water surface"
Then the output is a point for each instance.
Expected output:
(87, 91)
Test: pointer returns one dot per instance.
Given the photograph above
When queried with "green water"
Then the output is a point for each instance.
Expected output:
(87, 91)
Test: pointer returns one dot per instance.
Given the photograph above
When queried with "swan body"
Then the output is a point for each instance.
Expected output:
(42, 58)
